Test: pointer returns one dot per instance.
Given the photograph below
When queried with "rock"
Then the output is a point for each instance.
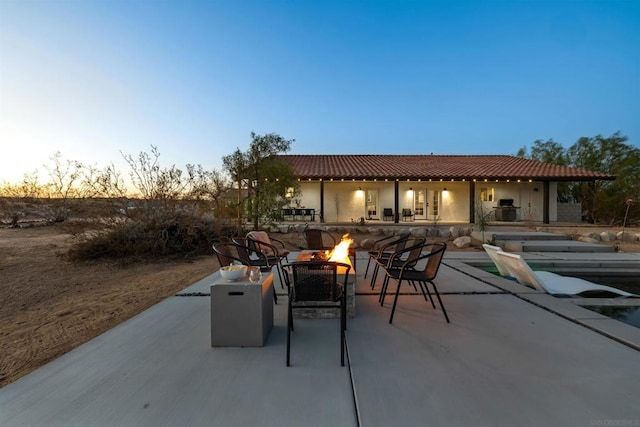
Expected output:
(592, 235)
(462, 242)
(625, 236)
(283, 228)
(588, 239)
(298, 228)
(367, 244)
(418, 231)
(375, 231)
(607, 236)
(455, 231)
(433, 232)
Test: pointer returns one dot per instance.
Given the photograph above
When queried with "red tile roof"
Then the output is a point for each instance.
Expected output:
(381, 166)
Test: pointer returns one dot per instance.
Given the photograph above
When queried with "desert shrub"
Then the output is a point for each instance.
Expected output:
(149, 237)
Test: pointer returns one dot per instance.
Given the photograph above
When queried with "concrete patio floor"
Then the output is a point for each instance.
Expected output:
(510, 356)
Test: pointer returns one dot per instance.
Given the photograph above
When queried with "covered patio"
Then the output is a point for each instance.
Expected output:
(510, 356)
(450, 188)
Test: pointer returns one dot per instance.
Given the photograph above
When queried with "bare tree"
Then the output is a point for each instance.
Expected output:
(64, 176)
(155, 184)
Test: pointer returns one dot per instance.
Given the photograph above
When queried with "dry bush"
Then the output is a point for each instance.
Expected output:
(147, 237)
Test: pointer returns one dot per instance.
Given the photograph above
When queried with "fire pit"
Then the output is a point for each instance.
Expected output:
(319, 256)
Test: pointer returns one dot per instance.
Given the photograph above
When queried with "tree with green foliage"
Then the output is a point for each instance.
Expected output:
(261, 178)
(605, 201)
(602, 201)
(551, 152)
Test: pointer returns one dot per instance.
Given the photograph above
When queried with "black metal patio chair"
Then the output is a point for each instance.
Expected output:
(384, 252)
(417, 271)
(316, 284)
(410, 249)
(387, 214)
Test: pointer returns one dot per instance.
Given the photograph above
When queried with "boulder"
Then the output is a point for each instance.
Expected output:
(367, 244)
(418, 231)
(375, 231)
(588, 239)
(433, 232)
(592, 235)
(625, 236)
(462, 242)
(607, 236)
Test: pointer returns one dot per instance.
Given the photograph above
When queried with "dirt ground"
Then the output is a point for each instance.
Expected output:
(50, 305)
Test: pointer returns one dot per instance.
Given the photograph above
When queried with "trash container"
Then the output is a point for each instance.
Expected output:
(241, 312)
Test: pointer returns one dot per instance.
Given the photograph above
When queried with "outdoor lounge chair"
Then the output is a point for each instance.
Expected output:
(545, 281)
(317, 284)
(500, 265)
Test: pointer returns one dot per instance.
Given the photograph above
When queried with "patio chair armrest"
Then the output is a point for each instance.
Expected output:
(399, 253)
(280, 242)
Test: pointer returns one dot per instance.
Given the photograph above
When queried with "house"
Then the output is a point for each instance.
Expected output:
(449, 188)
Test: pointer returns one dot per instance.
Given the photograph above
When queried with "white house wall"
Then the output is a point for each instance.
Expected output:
(344, 203)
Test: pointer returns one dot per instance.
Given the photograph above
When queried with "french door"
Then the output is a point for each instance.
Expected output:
(372, 204)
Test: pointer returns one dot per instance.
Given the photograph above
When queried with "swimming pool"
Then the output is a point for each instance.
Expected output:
(627, 314)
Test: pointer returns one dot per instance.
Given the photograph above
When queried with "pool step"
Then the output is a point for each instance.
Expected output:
(533, 241)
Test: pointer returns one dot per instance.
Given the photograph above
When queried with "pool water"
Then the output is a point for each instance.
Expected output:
(629, 314)
(626, 314)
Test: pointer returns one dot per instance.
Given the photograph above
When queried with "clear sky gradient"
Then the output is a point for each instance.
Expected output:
(92, 79)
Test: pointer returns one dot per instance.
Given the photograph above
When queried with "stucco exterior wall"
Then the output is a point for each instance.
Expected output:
(344, 201)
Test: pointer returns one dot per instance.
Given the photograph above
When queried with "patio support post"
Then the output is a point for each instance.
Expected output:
(396, 196)
(545, 202)
(322, 200)
(472, 202)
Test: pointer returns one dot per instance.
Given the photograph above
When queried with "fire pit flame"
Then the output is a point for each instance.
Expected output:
(341, 251)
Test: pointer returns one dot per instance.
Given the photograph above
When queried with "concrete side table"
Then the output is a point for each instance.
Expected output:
(241, 312)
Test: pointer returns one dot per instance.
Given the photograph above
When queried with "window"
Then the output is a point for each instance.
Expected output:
(486, 194)
(289, 193)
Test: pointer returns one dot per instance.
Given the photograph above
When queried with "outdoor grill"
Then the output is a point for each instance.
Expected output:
(505, 211)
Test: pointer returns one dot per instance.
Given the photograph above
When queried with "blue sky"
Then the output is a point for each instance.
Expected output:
(93, 79)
